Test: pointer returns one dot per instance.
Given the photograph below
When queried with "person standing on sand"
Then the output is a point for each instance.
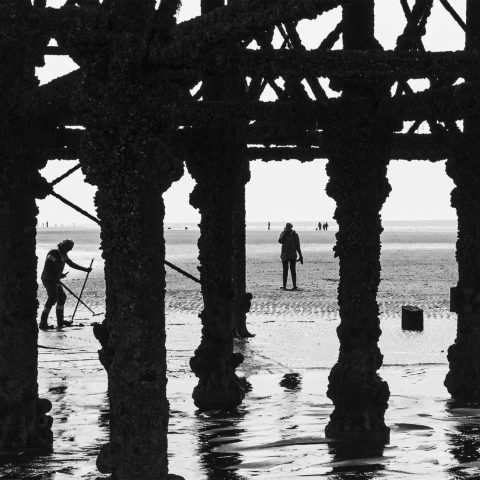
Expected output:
(51, 275)
(290, 246)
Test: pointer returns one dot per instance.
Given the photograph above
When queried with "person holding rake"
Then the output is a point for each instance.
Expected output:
(51, 275)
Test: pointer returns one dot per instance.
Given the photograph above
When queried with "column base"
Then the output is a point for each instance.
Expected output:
(218, 387)
(463, 379)
(230, 398)
(360, 398)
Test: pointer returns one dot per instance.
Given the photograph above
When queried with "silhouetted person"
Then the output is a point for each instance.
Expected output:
(319, 225)
(268, 225)
(325, 226)
(51, 275)
(290, 246)
(46, 224)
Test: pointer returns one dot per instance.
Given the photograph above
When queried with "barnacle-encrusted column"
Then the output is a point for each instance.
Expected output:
(134, 172)
(216, 164)
(357, 168)
(215, 195)
(125, 103)
(23, 420)
(23, 423)
(358, 152)
(463, 378)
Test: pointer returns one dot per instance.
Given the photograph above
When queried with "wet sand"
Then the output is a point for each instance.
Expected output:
(278, 432)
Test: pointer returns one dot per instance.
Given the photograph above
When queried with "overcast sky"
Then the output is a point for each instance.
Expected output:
(291, 191)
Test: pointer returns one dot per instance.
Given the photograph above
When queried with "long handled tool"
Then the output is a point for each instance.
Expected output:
(81, 301)
(81, 292)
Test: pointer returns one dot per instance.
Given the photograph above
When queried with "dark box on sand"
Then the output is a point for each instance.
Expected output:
(412, 318)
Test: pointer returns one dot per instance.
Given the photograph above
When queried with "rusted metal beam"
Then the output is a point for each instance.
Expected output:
(75, 207)
(454, 14)
(389, 65)
(53, 100)
(193, 44)
(267, 144)
(409, 147)
(300, 113)
(65, 175)
(448, 103)
(195, 38)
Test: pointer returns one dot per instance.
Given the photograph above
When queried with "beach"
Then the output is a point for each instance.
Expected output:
(278, 431)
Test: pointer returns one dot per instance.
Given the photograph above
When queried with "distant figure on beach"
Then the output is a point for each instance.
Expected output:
(325, 226)
(268, 225)
(319, 225)
(46, 223)
(51, 275)
(290, 246)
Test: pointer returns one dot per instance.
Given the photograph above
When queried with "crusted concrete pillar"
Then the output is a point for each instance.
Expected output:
(131, 209)
(463, 378)
(357, 168)
(214, 362)
(215, 164)
(124, 103)
(358, 155)
(23, 420)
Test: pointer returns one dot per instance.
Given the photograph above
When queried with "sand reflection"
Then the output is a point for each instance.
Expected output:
(215, 430)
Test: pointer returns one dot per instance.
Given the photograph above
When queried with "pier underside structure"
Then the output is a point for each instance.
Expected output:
(151, 96)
